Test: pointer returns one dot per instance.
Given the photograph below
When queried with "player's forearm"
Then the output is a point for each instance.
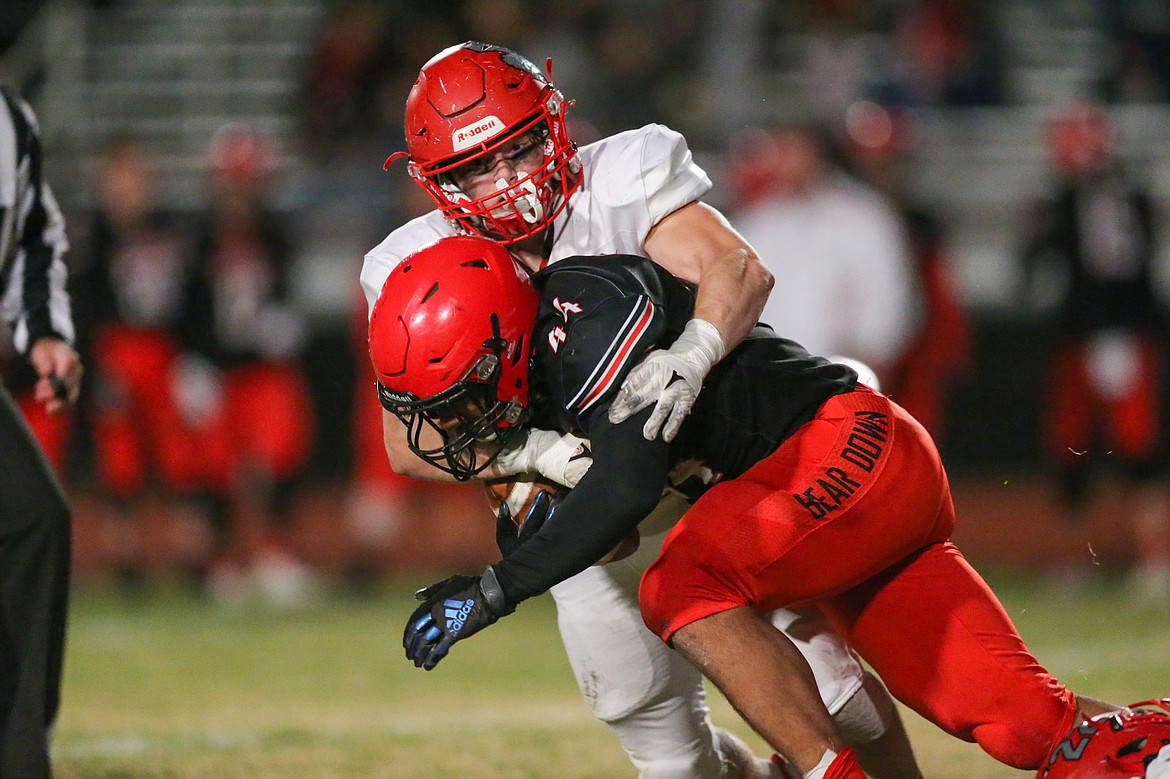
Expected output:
(732, 293)
(619, 490)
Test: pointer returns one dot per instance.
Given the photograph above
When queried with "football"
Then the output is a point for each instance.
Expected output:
(519, 492)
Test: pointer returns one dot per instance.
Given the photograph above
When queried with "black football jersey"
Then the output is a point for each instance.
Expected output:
(1101, 232)
(598, 317)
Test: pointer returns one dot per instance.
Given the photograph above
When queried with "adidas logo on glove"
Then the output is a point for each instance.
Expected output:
(456, 612)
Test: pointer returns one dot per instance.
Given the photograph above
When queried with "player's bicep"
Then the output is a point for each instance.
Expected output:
(695, 238)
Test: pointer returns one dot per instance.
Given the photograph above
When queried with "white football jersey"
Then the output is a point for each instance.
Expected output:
(630, 182)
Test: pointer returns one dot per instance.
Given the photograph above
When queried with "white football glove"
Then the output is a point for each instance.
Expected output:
(670, 378)
(560, 458)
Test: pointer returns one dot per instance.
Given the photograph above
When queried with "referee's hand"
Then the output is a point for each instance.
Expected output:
(59, 370)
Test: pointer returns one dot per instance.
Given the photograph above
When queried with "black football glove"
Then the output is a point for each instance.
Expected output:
(510, 535)
(453, 609)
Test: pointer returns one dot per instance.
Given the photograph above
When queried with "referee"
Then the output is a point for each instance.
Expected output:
(34, 512)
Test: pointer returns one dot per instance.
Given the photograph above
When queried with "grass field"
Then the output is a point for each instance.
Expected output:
(170, 687)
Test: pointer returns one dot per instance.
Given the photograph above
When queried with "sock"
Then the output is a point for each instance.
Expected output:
(837, 765)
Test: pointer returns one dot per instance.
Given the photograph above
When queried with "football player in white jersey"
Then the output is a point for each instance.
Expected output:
(486, 138)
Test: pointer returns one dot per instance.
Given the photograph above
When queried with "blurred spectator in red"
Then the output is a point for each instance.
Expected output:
(127, 288)
(845, 277)
(880, 143)
(239, 380)
(1105, 396)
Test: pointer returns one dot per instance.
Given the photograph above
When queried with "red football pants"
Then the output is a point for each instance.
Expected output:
(1130, 422)
(263, 426)
(137, 425)
(854, 513)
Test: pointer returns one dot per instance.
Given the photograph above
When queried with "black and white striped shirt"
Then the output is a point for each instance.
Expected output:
(32, 233)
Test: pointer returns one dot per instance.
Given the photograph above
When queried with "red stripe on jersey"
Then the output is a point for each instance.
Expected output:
(624, 348)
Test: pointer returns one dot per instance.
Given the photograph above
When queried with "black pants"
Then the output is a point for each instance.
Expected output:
(34, 595)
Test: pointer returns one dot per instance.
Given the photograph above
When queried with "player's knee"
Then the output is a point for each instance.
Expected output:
(673, 737)
(868, 713)
(682, 767)
(1019, 747)
(1022, 737)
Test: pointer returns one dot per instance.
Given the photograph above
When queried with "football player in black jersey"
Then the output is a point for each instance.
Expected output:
(820, 490)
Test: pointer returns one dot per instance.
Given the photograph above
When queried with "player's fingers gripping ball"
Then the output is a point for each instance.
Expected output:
(524, 505)
(561, 458)
(513, 530)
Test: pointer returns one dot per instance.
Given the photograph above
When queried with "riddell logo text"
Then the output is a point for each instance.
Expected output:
(466, 137)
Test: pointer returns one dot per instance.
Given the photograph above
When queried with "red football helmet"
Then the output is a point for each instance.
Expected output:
(467, 103)
(450, 338)
(1133, 743)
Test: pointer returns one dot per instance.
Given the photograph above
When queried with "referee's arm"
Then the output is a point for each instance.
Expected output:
(33, 274)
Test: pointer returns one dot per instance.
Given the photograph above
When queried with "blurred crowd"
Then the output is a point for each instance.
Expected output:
(692, 64)
(201, 404)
